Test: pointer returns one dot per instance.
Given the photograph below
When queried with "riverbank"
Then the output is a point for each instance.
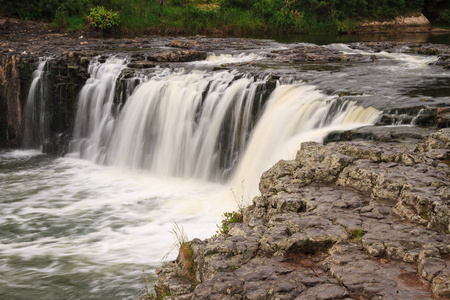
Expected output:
(316, 212)
(345, 220)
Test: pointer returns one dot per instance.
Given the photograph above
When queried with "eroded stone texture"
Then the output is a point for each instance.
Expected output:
(348, 220)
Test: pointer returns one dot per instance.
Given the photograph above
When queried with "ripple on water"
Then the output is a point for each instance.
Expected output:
(71, 229)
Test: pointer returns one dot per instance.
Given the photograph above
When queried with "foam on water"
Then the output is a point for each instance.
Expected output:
(19, 154)
(220, 59)
(76, 220)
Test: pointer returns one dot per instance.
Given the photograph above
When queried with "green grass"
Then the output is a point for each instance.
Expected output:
(229, 218)
(236, 17)
(356, 234)
(75, 23)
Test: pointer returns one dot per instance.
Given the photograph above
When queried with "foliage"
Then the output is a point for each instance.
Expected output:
(229, 218)
(146, 290)
(444, 17)
(103, 19)
(227, 16)
(241, 4)
(185, 253)
(70, 14)
(356, 234)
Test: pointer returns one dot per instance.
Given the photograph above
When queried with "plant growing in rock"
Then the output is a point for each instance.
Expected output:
(185, 253)
(234, 216)
(356, 234)
(146, 289)
(229, 218)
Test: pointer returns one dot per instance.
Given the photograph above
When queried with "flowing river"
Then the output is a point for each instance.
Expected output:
(185, 147)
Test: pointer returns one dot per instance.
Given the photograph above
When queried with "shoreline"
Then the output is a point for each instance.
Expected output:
(346, 220)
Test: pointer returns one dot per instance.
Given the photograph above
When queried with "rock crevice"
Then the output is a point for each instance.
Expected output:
(346, 220)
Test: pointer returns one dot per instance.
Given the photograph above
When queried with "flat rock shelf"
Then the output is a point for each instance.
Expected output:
(347, 220)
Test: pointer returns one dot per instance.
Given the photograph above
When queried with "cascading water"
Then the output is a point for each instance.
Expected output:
(36, 127)
(186, 125)
(95, 114)
(198, 124)
(75, 229)
(294, 114)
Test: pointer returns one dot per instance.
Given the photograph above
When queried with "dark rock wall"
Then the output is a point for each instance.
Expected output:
(65, 79)
(15, 75)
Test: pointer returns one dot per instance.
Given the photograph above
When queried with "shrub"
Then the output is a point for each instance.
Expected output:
(229, 218)
(444, 17)
(356, 234)
(242, 4)
(103, 19)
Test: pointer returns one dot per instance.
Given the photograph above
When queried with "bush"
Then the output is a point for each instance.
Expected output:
(242, 4)
(103, 19)
(229, 218)
(444, 17)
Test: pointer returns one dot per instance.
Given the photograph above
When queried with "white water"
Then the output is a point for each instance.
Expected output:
(405, 62)
(172, 126)
(215, 60)
(36, 129)
(72, 229)
(75, 229)
(295, 114)
(198, 124)
(95, 114)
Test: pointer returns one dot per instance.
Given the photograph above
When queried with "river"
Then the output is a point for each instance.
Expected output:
(189, 144)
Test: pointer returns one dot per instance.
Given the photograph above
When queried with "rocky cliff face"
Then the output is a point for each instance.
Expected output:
(417, 23)
(346, 220)
(66, 76)
(15, 75)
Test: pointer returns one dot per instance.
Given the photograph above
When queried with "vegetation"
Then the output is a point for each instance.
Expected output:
(356, 234)
(147, 290)
(185, 253)
(229, 218)
(224, 16)
(103, 19)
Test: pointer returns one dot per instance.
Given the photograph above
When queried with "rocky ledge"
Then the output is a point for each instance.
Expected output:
(346, 220)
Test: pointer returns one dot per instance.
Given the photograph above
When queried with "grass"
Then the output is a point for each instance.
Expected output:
(234, 216)
(228, 218)
(356, 234)
(424, 214)
(146, 289)
(185, 252)
(225, 16)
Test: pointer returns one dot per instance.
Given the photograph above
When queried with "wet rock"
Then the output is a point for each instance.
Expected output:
(327, 226)
(324, 292)
(431, 267)
(204, 44)
(301, 54)
(441, 286)
(12, 98)
(380, 134)
(444, 61)
(176, 56)
(141, 65)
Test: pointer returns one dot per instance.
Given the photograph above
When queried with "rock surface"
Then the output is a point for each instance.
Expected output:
(345, 220)
(405, 24)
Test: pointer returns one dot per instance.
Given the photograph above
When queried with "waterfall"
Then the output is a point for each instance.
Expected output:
(96, 110)
(187, 125)
(294, 114)
(214, 126)
(36, 127)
